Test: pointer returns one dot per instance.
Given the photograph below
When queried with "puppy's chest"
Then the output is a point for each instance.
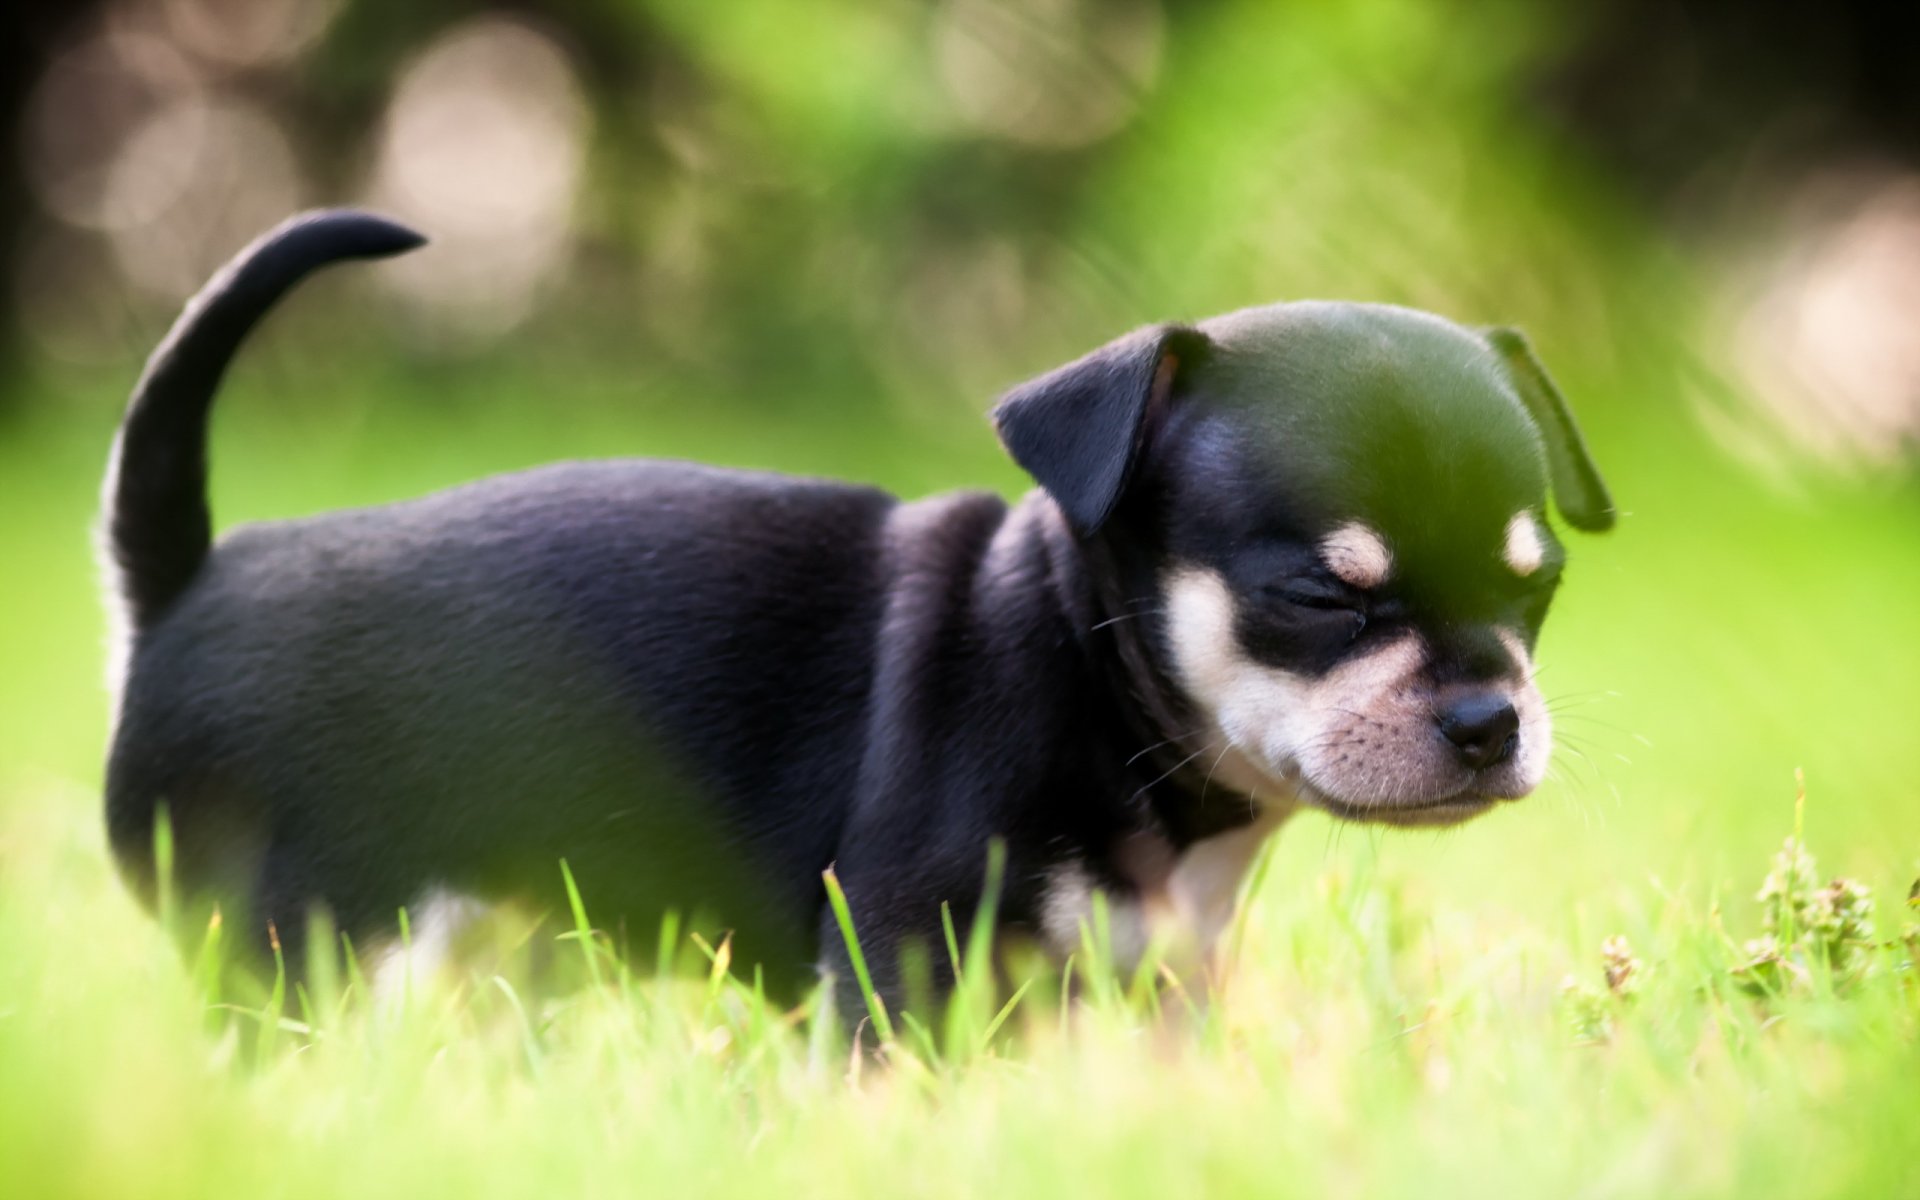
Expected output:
(1177, 901)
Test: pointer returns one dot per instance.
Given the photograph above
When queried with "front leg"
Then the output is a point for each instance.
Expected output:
(898, 922)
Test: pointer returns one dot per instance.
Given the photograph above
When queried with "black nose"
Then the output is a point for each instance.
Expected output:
(1483, 727)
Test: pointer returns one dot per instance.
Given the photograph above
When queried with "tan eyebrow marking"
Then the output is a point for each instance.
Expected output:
(1524, 551)
(1357, 554)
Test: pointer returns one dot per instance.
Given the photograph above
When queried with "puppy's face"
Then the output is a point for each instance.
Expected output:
(1335, 516)
(1314, 668)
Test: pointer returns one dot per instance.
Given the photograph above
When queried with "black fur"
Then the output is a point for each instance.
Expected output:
(1078, 430)
(1578, 491)
(158, 526)
(702, 688)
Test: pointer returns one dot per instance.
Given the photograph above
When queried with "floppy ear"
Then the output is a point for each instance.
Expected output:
(1078, 429)
(1578, 491)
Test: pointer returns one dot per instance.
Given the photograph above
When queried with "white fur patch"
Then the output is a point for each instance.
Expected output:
(1524, 550)
(1204, 889)
(435, 923)
(1067, 907)
(1357, 554)
(1182, 910)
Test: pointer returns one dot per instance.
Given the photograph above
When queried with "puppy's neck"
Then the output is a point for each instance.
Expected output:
(1184, 789)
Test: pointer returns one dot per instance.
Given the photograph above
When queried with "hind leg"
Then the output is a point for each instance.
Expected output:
(307, 889)
(192, 852)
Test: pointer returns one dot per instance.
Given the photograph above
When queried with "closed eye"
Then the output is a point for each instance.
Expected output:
(1316, 594)
(1323, 606)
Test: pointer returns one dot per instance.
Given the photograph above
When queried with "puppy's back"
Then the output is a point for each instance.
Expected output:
(593, 661)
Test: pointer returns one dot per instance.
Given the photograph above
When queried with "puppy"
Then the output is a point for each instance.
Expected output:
(1295, 555)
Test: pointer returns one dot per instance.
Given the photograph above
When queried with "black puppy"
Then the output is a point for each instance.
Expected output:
(1293, 555)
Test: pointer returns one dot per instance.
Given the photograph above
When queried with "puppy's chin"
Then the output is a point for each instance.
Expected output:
(1441, 809)
(1409, 814)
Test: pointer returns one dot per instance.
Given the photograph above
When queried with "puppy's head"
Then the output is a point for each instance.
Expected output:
(1329, 524)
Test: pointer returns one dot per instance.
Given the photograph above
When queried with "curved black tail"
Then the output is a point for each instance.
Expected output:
(155, 521)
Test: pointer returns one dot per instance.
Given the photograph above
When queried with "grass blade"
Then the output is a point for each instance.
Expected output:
(842, 914)
(581, 929)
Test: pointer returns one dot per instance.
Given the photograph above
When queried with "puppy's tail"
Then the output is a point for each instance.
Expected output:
(155, 525)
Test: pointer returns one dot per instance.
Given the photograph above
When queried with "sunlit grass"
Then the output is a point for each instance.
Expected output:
(1366, 1044)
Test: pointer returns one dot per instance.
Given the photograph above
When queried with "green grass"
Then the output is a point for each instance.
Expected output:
(1371, 1041)
(1398, 1020)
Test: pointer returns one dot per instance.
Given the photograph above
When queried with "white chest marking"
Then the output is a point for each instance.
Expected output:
(1182, 908)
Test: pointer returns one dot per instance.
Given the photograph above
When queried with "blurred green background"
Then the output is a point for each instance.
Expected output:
(820, 237)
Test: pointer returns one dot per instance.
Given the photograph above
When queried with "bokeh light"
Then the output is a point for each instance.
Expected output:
(1829, 346)
(484, 144)
(1048, 72)
(192, 181)
(248, 33)
(82, 113)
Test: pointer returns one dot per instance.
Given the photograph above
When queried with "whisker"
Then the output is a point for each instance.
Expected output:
(1170, 770)
(1579, 698)
(1593, 772)
(1579, 745)
(1611, 727)
(1208, 782)
(1149, 612)
(1178, 737)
